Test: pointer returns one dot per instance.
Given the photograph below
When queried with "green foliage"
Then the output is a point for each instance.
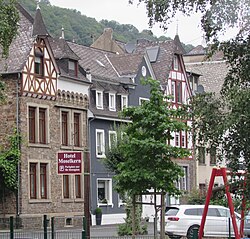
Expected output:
(84, 30)
(9, 158)
(142, 158)
(98, 210)
(2, 93)
(126, 228)
(8, 24)
(195, 197)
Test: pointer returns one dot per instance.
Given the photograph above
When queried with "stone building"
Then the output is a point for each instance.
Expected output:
(47, 102)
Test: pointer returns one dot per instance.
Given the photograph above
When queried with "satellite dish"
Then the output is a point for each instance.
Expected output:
(130, 47)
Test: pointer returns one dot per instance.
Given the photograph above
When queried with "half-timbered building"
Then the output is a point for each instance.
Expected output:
(47, 102)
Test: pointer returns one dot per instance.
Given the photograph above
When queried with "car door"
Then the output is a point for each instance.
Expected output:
(215, 225)
(225, 214)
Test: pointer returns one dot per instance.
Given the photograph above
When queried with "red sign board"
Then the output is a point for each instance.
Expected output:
(69, 162)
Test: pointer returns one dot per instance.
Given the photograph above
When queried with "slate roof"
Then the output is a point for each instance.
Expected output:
(96, 60)
(163, 64)
(198, 50)
(127, 64)
(39, 27)
(20, 46)
(61, 49)
(212, 74)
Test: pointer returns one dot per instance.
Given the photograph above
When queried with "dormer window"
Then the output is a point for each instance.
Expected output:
(176, 63)
(112, 101)
(124, 101)
(72, 68)
(38, 61)
(99, 99)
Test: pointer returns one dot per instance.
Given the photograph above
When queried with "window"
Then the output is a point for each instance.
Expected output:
(179, 92)
(73, 68)
(72, 186)
(66, 186)
(142, 100)
(104, 191)
(173, 87)
(99, 99)
(38, 180)
(212, 156)
(183, 139)
(76, 129)
(65, 130)
(122, 199)
(43, 180)
(33, 192)
(176, 63)
(32, 125)
(38, 125)
(78, 186)
(202, 188)
(182, 182)
(124, 101)
(177, 139)
(71, 128)
(38, 61)
(112, 102)
(201, 155)
(112, 139)
(42, 126)
(100, 143)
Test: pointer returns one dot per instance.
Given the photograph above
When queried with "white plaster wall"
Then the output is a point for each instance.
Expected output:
(72, 86)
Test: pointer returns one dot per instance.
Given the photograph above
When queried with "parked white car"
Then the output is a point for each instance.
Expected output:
(181, 221)
(247, 225)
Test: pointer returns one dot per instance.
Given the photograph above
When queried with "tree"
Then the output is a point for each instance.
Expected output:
(8, 24)
(231, 123)
(142, 158)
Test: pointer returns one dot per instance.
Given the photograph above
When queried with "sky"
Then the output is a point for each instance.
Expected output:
(188, 28)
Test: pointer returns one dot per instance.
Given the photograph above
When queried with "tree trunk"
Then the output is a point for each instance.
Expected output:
(133, 218)
(162, 231)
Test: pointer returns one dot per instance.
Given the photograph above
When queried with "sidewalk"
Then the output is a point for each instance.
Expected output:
(111, 230)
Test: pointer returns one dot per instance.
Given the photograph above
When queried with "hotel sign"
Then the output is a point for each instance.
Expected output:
(69, 162)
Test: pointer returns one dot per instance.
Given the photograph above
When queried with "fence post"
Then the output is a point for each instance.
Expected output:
(52, 228)
(45, 231)
(83, 228)
(11, 228)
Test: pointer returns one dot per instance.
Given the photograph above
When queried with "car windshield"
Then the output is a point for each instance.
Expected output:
(171, 211)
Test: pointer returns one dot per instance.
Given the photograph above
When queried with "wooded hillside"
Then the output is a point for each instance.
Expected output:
(84, 30)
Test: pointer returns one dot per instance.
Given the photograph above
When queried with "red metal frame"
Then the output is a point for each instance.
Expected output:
(221, 172)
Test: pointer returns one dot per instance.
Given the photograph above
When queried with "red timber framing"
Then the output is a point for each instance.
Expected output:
(215, 173)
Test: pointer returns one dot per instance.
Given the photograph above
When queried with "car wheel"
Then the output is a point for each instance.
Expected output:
(191, 233)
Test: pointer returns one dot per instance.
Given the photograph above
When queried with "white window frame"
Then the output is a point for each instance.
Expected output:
(72, 65)
(120, 201)
(100, 144)
(108, 191)
(112, 132)
(177, 139)
(173, 90)
(99, 99)
(141, 99)
(112, 101)
(124, 101)
(183, 139)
